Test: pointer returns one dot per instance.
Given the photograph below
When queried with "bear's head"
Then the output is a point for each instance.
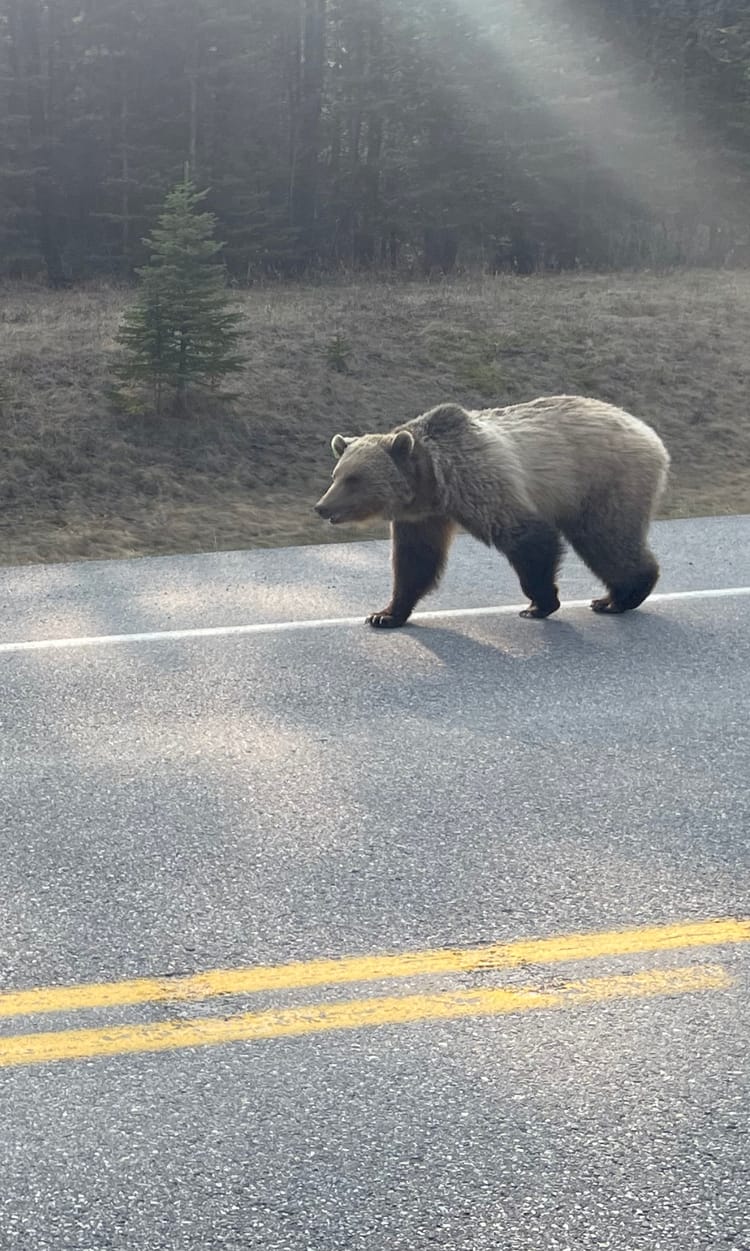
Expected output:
(373, 478)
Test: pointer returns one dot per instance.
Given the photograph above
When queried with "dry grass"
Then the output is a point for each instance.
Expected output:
(79, 479)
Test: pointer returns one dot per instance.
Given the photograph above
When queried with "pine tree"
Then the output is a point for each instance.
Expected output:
(181, 333)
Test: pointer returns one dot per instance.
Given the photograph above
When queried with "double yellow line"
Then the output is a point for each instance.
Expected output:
(68, 1044)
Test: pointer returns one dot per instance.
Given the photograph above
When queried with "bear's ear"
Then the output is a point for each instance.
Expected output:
(401, 445)
(340, 443)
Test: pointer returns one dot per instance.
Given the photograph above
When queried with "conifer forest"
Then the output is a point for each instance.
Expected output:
(411, 135)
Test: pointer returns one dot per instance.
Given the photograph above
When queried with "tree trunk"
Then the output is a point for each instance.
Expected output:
(193, 124)
(370, 171)
(33, 72)
(124, 180)
(310, 69)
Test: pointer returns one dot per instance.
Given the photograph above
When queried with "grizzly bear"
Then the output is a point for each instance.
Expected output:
(521, 478)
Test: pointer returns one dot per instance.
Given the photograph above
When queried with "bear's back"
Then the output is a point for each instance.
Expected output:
(565, 444)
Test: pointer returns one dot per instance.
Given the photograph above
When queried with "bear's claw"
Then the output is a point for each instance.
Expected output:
(383, 621)
(605, 605)
(535, 612)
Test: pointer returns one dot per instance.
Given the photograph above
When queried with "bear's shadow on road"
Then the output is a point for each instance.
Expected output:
(636, 637)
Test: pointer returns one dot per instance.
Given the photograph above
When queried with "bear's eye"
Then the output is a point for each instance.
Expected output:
(353, 479)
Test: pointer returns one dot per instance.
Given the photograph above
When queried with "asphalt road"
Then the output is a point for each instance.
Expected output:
(181, 804)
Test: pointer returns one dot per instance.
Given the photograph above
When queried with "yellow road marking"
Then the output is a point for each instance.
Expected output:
(354, 1014)
(300, 975)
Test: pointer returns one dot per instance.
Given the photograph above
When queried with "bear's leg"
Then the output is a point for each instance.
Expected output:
(534, 550)
(419, 551)
(621, 558)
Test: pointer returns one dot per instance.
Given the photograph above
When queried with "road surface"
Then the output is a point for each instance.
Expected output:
(314, 937)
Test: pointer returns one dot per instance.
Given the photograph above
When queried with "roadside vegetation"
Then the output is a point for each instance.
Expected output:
(83, 475)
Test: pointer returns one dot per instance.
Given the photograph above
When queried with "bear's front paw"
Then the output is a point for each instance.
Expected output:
(384, 620)
(538, 612)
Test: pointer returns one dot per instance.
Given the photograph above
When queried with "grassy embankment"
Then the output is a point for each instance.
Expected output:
(80, 479)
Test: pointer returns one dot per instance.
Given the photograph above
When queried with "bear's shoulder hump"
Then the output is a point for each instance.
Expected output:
(445, 419)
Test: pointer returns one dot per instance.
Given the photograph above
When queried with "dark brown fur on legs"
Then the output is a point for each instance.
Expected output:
(534, 550)
(624, 562)
(419, 553)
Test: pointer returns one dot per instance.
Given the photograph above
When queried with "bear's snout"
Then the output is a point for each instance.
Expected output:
(324, 509)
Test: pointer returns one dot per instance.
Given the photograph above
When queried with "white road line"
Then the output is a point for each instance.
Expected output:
(278, 627)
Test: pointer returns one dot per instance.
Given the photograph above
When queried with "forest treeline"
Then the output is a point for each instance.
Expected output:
(413, 134)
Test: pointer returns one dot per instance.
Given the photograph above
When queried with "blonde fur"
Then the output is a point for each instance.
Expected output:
(517, 477)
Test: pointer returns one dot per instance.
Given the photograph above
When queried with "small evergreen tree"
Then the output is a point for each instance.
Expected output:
(181, 333)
